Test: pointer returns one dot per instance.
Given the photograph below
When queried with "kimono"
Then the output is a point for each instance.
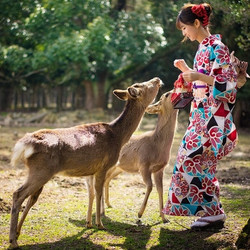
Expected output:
(211, 135)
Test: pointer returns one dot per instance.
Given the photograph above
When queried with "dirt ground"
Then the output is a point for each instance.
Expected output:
(234, 169)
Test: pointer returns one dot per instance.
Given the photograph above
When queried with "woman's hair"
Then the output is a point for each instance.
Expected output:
(190, 12)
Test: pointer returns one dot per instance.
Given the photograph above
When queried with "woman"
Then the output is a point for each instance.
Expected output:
(211, 133)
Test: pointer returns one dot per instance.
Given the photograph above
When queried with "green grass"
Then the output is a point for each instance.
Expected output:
(57, 220)
(237, 199)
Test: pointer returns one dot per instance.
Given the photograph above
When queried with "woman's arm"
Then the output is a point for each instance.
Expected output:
(192, 75)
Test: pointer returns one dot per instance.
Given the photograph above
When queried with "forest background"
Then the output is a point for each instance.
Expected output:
(71, 54)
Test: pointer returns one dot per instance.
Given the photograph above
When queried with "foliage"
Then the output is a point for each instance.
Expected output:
(63, 43)
(76, 40)
(236, 29)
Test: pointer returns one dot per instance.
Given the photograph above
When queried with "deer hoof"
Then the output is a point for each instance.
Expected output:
(165, 220)
(13, 245)
(89, 224)
(140, 214)
(100, 227)
(139, 222)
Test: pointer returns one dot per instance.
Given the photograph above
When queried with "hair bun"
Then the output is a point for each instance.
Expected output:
(208, 8)
(203, 11)
(198, 10)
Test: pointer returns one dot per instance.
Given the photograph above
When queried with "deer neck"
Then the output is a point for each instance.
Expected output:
(165, 127)
(128, 121)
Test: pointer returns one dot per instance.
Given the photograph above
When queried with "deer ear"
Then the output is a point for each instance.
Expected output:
(121, 94)
(154, 108)
(133, 92)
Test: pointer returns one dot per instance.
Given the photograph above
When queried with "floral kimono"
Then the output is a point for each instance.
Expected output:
(211, 134)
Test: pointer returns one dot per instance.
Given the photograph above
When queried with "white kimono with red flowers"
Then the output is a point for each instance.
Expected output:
(211, 134)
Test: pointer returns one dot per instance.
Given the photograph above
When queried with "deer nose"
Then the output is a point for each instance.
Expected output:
(157, 80)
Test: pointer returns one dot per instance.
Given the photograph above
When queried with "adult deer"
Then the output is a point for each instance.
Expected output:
(83, 150)
(149, 152)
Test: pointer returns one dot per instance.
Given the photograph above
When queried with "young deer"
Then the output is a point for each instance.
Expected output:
(82, 150)
(148, 153)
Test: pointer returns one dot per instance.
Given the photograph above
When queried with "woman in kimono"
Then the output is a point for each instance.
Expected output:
(211, 133)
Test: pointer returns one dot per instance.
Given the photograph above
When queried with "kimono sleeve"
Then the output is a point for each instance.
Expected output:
(225, 77)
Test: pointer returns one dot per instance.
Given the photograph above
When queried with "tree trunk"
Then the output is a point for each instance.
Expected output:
(44, 100)
(101, 98)
(59, 98)
(38, 97)
(90, 97)
(22, 99)
(73, 100)
(5, 97)
(16, 99)
(79, 97)
(65, 97)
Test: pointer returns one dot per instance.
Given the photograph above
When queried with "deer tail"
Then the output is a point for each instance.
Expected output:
(21, 151)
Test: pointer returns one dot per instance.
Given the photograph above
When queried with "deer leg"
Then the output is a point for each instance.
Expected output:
(32, 200)
(91, 194)
(148, 181)
(33, 188)
(112, 173)
(158, 177)
(18, 198)
(102, 204)
(99, 183)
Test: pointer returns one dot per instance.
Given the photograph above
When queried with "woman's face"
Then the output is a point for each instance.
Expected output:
(189, 31)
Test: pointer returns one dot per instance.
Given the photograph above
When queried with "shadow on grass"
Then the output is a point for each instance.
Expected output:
(136, 237)
(78, 241)
(187, 239)
(128, 236)
(133, 236)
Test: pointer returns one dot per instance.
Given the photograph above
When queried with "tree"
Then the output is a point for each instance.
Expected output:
(84, 42)
(90, 47)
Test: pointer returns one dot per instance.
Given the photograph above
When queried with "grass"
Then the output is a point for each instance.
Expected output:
(57, 220)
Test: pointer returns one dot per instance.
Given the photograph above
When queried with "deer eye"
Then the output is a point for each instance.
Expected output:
(136, 85)
(167, 94)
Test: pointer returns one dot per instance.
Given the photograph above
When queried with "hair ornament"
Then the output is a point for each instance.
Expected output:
(200, 11)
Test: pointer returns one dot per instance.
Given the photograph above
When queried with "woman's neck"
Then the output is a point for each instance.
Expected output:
(203, 33)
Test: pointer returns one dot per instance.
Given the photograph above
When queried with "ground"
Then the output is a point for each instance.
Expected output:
(58, 219)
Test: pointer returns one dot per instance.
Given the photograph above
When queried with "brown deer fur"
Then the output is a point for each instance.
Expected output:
(82, 150)
(148, 153)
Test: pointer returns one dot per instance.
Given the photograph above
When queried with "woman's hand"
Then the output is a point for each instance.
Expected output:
(181, 65)
(199, 89)
(191, 75)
